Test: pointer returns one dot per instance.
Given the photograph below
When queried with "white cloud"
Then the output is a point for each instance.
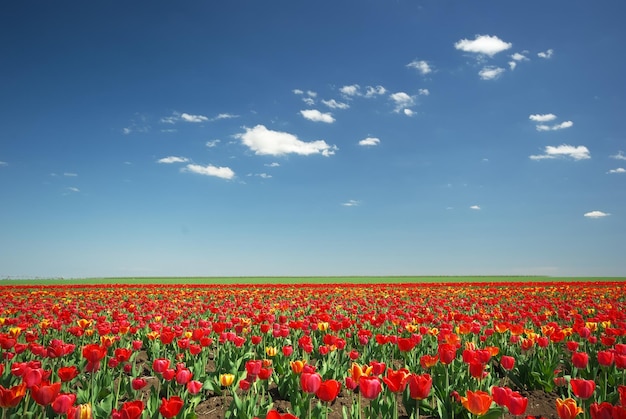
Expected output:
(3, 163)
(618, 170)
(475, 207)
(596, 214)
(512, 65)
(333, 104)
(519, 57)
(555, 127)
(317, 116)
(193, 118)
(264, 175)
(297, 91)
(369, 141)
(273, 164)
(173, 159)
(408, 112)
(542, 117)
(402, 101)
(210, 170)
(351, 90)
(70, 174)
(224, 116)
(374, 91)
(563, 151)
(275, 143)
(311, 93)
(420, 65)
(309, 101)
(423, 92)
(546, 54)
(619, 156)
(73, 189)
(483, 44)
(351, 203)
(491, 73)
(212, 143)
(170, 119)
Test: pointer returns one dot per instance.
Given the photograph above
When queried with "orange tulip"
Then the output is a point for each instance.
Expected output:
(567, 409)
(11, 397)
(477, 402)
(356, 371)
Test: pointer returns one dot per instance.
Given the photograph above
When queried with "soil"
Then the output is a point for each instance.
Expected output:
(540, 405)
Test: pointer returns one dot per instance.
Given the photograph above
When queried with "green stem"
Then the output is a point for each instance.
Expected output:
(417, 407)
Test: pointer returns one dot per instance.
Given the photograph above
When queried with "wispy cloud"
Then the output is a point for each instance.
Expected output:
(317, 116)
(618, 170)
(555, 127)
(173, 159)
(547, 117)
(563, 151)
(421, 66)
(276, 143)
(210, 170)
(402, 101)
(72, 189)
(333, 104)
(546, 54)
(3, 163)
(212, 143)
(68, 174)
(483, 44)
(423, 92)
(475, 207)
(351, 203)
(619, 156)
(224, 116)
(273, 164)
(372, 91)
(596, 214)
(491, 72)
(369, 141)
(193, 118)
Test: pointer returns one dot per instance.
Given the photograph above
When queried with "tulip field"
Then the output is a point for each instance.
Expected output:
(532, 349)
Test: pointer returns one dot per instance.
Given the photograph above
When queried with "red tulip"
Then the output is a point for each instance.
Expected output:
(138, 383)
(580, 360)
(501, 395)
(310, 382)
(129, 410)
(603, 410)
(517, 404)
(582, 388)
(606, 358)
(420, 386)
(273, 414)
(507, 362)
(328, 390)
(11, 397)
(45, 393)
(159, 365)
(63, 402)
(170, 408)
(66, 374)
(370, 387)
(396, 380)
(194, 386)
(447, 353)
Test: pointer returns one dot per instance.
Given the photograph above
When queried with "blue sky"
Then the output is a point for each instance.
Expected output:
(284, 137)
